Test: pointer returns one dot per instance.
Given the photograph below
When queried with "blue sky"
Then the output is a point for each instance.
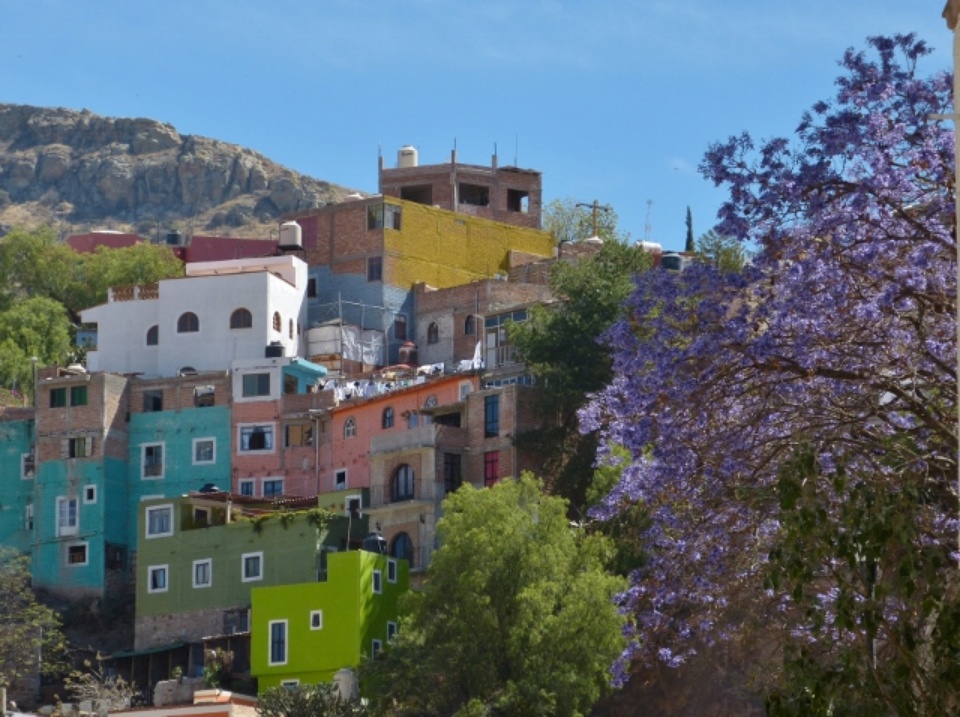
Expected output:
(614, 100)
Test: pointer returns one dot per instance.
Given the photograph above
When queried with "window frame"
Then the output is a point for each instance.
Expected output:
(318, 623)
(391, 570)
(152, 400)
(350, 428)
(213, 451)
(208, 562)
(402, 483)
(491, 459)
(158, 570)
(89, 494)
(337, 484)
(248, 429)
(491, 415)
(376, 582)
(241, 318)
(284, 641)
(374, 269)
(164, 507)
(256, 384)
(144, 465)
(272, 481)
(68, 547)
(58, 397)
(244, 577)
(188, 323)
(433, 333)
(69, 507)
(387, 418)
(79, 395)
(247, 482)
(28, 466)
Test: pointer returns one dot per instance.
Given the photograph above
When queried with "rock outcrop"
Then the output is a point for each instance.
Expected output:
(80, 170)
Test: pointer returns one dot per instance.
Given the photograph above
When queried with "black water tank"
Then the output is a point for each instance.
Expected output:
(375, 543)
(274, 350)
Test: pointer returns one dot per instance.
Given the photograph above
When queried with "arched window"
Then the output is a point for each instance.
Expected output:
(153, 335)
(188, 323)
(469, 325)
(277, 321)
(350, 428)
(241, 319)
(387, 420)
(433, 333)
(401, 487)
(402, 547)
(290, 329)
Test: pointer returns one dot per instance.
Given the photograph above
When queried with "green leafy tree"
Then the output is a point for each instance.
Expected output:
(321, 700)
(29, 631)
(516, 616)
(142, 263)
(560, 347)
(726, 253)
(571, 221)
(34, 264)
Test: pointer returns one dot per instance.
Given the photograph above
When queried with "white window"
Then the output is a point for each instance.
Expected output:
(256, 384)
(202, 573)
(350, 428)
(204, 450)
(28, 465)
(376, 647)
(391, 630)
(76, 555)
(89, 494)
(157, 578)
(316, 619)
(377, 582)
(272, 487)
(246, 486)
(340, 479)
(151, 460)
(160, 521)
(391, 570)
(67, 517)
(251, 567)
(278, 642)
(256, 438)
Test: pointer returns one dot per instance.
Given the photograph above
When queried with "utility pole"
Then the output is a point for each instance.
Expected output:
(596, 207)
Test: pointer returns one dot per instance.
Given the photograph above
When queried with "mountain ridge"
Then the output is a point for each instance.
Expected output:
(79, 171)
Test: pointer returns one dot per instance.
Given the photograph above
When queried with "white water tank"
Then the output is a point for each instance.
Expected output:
(290, 236)
(407, 157)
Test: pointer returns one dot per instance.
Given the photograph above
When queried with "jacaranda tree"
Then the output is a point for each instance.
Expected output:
(792, 426)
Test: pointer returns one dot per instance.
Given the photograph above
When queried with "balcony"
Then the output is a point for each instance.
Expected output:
(143, 292)
(419, 437)
(421, 491)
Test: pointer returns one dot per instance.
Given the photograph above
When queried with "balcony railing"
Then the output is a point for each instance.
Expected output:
(134, 293)
(421, 491)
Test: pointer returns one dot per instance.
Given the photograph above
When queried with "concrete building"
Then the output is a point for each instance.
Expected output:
(309, 632)
(218, 313)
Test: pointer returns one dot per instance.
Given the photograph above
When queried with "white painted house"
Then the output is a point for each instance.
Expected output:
(219, 312)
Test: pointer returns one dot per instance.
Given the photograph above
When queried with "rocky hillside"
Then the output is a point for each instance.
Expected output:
(79, 171)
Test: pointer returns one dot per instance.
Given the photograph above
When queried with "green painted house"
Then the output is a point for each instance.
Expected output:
(199, 556)
(307, 632)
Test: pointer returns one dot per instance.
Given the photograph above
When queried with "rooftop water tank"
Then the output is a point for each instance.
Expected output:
(375, 543)
(174, 239)
(672, 262)
(291, 237)
(407, 157)
(274, 350)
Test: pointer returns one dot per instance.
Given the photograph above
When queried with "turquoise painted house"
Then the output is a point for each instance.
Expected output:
(79, 546)
(17, 473)
(306, 633)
